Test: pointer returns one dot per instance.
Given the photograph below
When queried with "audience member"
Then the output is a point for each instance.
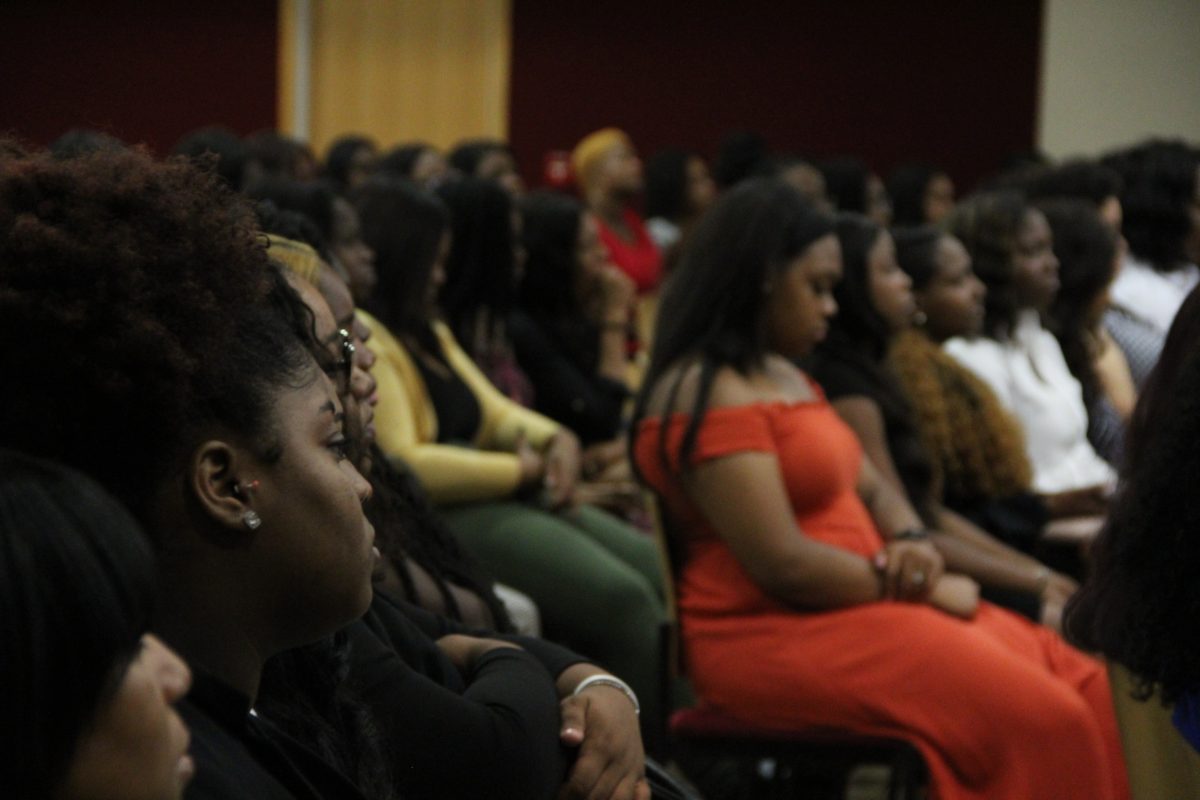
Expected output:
(502, 476)
(281, 156)
(184, 392)
(809, 597)
(921, 194)
(1011, 249)
(1088, 258)
(976, 446)
(609, 176)
(480, 287)
(89, 712)
(1138, 605)
(852, 186)
(679, 190)
(489, 159)
(337, 222)
(1159, 200)
(569, 329)
(1083, 179)
(875, 304)
(348, 162)
(418, 162)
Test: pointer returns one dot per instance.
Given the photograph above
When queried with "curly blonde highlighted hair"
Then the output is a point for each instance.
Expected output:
(977, 448)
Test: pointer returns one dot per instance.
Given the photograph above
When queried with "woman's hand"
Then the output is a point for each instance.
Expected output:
(908, 569)
(617, 291)
(611, 763)
(562, 468)
(1090, 501)
(957, 595)
(1054, 597)
(533, 465)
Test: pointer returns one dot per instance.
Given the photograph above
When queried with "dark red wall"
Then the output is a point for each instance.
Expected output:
(142, 71)
(952, 81)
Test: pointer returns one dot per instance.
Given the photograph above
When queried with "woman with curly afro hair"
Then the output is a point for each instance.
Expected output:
(142, 347)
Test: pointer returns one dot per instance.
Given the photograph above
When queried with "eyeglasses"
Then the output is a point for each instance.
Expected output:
(341, 369)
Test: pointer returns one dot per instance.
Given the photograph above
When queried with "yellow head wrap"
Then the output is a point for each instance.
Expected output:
(297, 257)
(591, 149)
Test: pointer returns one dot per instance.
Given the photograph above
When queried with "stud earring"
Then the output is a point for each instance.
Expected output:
(919, 319)
(251, 520)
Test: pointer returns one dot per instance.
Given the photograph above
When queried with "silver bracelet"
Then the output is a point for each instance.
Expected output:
(614, 682)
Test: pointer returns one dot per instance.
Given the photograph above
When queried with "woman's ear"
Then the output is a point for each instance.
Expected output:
(213, 477)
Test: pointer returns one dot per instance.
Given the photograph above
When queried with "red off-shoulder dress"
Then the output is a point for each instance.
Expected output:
(999, 707)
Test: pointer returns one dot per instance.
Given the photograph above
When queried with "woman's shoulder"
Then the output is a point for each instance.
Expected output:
(681, 384)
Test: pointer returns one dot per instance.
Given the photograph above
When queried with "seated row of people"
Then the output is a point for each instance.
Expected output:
(177, 367)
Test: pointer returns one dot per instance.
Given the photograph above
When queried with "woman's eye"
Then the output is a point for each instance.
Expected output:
(340, 448)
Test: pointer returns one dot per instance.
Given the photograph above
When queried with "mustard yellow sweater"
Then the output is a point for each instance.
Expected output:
(406, 423)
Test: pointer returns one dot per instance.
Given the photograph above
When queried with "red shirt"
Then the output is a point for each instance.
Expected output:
(639, 259)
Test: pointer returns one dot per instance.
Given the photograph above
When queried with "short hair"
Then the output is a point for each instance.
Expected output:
(987, 225)
(1160, 186)
(1082, 179)
(133, 317)
(76, 585)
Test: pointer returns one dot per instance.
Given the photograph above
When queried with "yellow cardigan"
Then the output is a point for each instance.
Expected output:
(406, 424)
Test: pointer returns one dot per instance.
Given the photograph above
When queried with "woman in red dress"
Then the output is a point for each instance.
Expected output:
(810, 597)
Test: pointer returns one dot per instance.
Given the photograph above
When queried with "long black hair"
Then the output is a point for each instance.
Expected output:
(716, 297)
(858, 342)
(1140, 602)
(404, 225)
(339, 159)
(76, 582)
(1086, 249)
(480, 272)
(548, 291)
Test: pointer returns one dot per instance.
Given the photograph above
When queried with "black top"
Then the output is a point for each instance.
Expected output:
(458, 412)
(566, 385)
(493, 733)
(845, 373)
(241, 755)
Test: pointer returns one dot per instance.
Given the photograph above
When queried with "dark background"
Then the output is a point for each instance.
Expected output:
(144, 72)
(950, 81)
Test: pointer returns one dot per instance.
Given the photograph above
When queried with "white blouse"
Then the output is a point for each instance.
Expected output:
(1150, 295)
(1031, 379)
